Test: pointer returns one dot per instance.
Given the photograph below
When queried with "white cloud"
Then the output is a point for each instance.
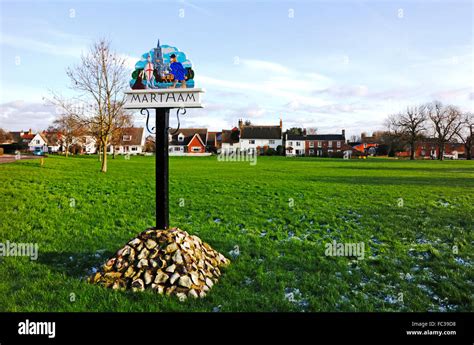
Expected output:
(266, 66)
(130, 61)
(67, 48)
(345, 91)
(20, 115)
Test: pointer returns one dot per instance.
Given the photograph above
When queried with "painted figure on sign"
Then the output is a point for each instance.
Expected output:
(178, 71)
(138, 83)
(149, 73)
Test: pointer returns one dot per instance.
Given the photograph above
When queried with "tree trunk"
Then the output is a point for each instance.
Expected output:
(104, 161)
(441, 152)
(412, 151)
(468, 151)
(67, 150)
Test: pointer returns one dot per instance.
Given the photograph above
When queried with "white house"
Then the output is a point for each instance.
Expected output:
(294, 145)
(54, 139)
(39, 142)
(230, 140)
(90, 145)
(260, 138)
(131, 141)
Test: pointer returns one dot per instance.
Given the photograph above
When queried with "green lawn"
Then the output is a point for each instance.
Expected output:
(280, 212)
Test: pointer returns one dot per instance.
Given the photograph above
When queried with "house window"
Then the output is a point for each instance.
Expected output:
(134, 148)
(37, 141)
(311, 144)
(338, 144)
(319, 144)
(251, 141)
(311, 152)
(290, 143)
(180, 137)
(298, 143)
(196, 149)
(271, 142)
(177, 148)
(329, 143)
(126, 138)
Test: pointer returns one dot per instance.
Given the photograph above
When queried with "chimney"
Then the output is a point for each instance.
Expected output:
(344, 133)
(240, 123)
(281, 123)
(30, 132)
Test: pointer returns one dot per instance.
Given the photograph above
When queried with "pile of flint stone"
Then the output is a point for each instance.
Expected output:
(166, 261)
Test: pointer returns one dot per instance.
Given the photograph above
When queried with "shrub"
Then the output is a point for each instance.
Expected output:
(280, 150)
(270, 152)
(336, 154)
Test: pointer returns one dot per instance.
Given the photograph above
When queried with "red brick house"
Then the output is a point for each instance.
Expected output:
(315, 144)
(428, 149)
(188, 141)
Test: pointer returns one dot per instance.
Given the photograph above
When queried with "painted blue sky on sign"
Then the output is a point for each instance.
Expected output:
(324, 64)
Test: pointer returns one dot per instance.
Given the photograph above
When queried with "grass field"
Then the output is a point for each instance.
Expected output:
(416, 220)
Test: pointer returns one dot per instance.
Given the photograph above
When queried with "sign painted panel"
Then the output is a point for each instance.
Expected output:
(163, 98)
(161, 68)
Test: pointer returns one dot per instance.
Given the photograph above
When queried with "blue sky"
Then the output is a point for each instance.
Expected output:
(322, 64)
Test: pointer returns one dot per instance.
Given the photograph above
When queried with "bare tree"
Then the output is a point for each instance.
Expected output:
(70, 130)
(355, 139)
(409, 125)
(466, 133)
(446, 122)
(101, 78)
(5, 136)
(150, 144)
(120, 122)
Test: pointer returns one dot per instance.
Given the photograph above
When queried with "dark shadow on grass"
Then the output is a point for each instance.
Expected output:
(394, 181)
(76, 265)
(425, 169)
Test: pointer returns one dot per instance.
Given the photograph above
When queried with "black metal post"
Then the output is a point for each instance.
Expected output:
(162, 164)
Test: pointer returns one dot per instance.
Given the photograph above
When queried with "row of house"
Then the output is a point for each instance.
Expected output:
(249, 138)
(428, 149)
(425, 148)
(257, 139)
(244, 137)
(131, 140)
(272, 139)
